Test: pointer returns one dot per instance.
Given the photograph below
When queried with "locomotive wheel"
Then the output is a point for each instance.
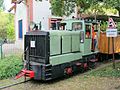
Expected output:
(69, 71)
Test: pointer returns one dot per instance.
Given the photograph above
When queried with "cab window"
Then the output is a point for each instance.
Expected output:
(88, 31)
(62, 26)
(77, 26)
(53, 26)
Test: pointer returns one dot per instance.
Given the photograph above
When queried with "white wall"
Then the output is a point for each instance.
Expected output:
(41, 12)
(21, 14)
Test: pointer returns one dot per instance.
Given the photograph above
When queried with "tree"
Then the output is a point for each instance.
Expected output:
(3, 23)
(100, 9)
(10, 27)
(113, 3)
(7, 26)
(66, 7)
(1, 4)
(62, 7)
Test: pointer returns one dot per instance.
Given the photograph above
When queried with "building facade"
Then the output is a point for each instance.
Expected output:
(37, 11)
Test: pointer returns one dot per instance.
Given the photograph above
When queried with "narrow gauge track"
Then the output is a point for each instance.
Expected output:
(14, 84)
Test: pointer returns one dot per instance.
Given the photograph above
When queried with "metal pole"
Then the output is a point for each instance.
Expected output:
(113, 53)
(108, 48)
(1, 51)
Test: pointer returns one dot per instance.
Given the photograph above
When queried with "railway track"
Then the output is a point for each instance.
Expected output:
(14, 84)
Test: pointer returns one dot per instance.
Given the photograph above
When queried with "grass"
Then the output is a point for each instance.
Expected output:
(107, 71)
(10, 66)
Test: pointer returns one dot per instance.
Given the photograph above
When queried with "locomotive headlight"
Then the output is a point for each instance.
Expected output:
(32, 24)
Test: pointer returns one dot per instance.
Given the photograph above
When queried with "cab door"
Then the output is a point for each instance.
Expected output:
(88, 38)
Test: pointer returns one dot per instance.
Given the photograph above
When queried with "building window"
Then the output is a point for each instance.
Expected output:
(20, 28)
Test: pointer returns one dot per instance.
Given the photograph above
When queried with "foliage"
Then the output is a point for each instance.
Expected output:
(96, 9)
(3, 23)
(66, 7)
(107, 71)
(7, 26)
(83, 5)
(100, 9)
(10, 28)
(10, 66)
(62, 7)
(1, 3)
(112, 3)
(103, 26)
(118, 26)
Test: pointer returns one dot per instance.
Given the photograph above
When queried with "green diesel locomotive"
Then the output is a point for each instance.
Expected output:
(51, 54)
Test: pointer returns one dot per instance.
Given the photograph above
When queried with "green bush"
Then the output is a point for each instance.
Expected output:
(104, 26)
(10, 66)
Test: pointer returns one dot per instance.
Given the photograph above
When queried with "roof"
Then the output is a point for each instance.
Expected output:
(103, 17)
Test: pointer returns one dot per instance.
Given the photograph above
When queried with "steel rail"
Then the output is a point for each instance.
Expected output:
(10, 85)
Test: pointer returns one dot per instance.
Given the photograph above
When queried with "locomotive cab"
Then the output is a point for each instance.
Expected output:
(85, 28)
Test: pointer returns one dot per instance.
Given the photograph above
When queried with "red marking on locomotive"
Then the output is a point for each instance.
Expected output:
(85, 65)
(26, 73)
